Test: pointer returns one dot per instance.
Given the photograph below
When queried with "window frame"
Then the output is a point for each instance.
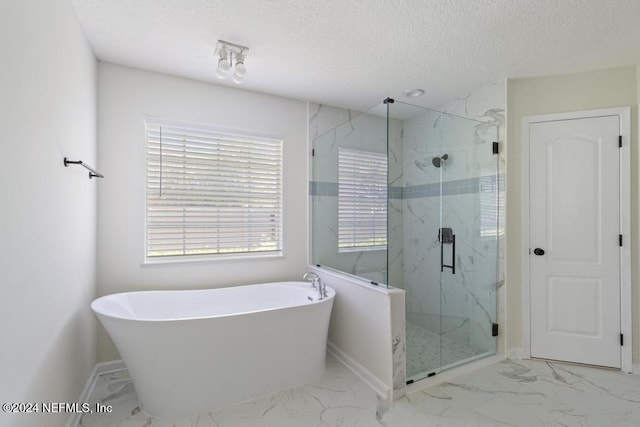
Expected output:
(212, 257)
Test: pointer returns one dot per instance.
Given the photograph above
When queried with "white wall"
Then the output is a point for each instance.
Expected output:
(48, 215)
(126, 96)
(553, 94)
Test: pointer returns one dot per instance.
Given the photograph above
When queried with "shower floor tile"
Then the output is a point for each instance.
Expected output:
(513, 393)
(428, 351)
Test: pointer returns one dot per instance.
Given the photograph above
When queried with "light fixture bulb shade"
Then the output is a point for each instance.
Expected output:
(241, 70)
(220, 74)
(224, 65)
(237, 79)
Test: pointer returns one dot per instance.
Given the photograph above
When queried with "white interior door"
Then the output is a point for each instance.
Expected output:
(575, 282)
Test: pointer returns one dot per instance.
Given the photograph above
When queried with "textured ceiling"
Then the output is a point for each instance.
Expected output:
(356, 53)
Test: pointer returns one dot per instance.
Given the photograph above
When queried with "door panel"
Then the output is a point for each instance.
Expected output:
(573, 191)
(584, 316)
(574, 218)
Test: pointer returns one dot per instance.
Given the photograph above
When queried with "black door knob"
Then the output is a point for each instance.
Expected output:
(538, 251)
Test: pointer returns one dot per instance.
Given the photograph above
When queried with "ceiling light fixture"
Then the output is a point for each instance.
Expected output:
(231, 57)
(413, 93)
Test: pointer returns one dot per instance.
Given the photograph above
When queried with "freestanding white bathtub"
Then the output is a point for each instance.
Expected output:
(189, 352)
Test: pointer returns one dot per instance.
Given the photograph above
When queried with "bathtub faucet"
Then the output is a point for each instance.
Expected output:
(316, 283)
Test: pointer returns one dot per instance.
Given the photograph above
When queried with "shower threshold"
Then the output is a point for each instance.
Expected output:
(428, 353)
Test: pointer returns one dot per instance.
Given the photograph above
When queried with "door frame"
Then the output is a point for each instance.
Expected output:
(624, 114)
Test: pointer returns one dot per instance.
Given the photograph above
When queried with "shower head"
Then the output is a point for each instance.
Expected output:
(439, 161)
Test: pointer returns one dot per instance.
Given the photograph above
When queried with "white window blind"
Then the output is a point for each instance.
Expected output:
(490, 205)
(362, 200)
(212, 192)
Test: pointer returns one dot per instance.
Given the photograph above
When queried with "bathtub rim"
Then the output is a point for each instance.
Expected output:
(331, 293)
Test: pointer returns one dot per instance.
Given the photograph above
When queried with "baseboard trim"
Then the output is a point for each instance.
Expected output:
(98, 369)
(518, 354)
(363, 373)
(515, 354)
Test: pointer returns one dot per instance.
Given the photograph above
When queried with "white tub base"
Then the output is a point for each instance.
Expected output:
(255, 340)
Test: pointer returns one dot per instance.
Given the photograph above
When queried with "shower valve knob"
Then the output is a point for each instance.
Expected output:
(538, 251)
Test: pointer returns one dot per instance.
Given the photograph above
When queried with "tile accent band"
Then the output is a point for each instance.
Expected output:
(483, 184)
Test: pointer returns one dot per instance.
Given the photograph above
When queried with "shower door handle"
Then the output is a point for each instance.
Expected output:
(453, 254)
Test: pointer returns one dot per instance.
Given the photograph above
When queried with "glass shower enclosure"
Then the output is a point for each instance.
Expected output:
(408, 197)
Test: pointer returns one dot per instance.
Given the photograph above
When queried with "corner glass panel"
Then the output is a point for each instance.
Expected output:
(349, 197)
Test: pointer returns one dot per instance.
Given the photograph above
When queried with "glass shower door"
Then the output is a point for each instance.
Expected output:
(468, 237)
(414, 234)
(443, 233)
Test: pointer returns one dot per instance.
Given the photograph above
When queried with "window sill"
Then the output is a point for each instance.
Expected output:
(173, 261)
(363, 249)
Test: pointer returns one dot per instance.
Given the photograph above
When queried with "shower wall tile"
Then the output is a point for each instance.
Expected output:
(319, 188)
(482, 184)
(422, 141)
(434, 134)
(323, 118)
(488, 104)
(399, 352)
(395, 246)
(485, 104)
(421, 256)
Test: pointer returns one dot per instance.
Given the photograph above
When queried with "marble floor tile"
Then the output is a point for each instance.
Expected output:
(533, 393)
(510, 393)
